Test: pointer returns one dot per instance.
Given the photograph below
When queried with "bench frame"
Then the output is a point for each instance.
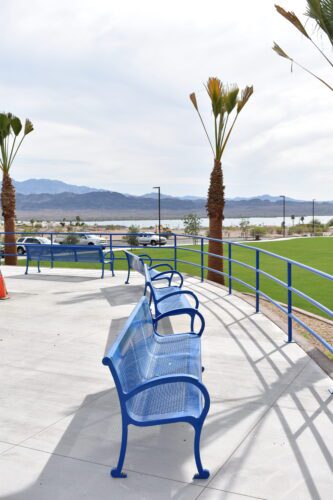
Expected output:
(168, 274)
(76, 249)
(196, 423)
(191, 311)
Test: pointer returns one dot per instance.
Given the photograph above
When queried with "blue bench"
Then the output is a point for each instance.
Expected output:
(171, 300)
(158, 380)
(136, 262)
(68, 253)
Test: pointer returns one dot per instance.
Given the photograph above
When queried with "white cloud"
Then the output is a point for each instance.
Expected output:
(106, 85)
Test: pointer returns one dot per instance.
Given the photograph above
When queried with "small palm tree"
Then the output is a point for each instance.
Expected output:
(10, 129)
(226, 103)
(293, 219)
(321, 12)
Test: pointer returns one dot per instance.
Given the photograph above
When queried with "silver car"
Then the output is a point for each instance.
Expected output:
(151, 239)
(36, 240)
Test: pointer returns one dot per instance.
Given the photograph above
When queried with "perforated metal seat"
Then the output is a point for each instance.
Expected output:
(172, 301)
(177, 301)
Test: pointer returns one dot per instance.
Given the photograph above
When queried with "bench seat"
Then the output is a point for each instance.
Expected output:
(172, 302)
(173, 402)
(171, 354)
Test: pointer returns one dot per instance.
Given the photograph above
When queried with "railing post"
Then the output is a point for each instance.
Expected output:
(290, 304)
(52, 261)
(110, 244)
(175, 252)
(230, 268)
(257, 281)
(202, 260)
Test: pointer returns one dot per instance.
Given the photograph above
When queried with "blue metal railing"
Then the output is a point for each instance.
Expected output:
(116, 242)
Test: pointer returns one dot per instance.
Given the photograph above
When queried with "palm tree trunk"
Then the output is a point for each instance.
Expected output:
(215, 210)
(8, 212)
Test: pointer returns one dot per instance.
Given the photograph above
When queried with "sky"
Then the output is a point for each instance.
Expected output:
(107, 83)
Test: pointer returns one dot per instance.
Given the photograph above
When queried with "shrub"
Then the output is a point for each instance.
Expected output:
(71, 239)
(132, 239)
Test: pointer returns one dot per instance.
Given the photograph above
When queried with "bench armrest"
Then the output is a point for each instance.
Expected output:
(144, 256)
(168, 275)
(161, 265)
(172, 379)
(180, 292)
(191, 312)
(111, 252)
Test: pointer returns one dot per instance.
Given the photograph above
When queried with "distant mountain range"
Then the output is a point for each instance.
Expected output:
(51, 199)
(39, 186)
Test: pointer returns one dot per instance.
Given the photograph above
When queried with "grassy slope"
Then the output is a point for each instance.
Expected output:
(315, 252)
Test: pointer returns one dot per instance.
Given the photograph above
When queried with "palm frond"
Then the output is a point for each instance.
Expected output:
(245, 96)
(230, 94)
(16, 125)
(280, 51)
(194, 100)
(214, 89)
(195, 104)
(293, 19)
(4, 125)
(28, 127)
(321, 11)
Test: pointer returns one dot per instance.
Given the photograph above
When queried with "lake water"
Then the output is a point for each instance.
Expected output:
(178, 223)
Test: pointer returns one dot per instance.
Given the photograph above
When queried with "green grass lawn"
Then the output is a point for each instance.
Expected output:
(315, 252)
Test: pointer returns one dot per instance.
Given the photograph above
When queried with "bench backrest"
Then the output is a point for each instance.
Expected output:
(147, 275)
(131, 353)
(37, 251)
(136, 262)
(65, 253)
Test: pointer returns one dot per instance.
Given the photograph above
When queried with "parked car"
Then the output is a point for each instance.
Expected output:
(82, 239)
(92, 239)
(151, 239)
(36, 240)
(2, 251)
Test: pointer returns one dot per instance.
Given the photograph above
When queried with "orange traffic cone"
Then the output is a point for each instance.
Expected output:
(3, 290)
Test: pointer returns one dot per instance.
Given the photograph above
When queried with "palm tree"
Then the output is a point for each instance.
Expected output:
(293, 219)
(10, 129)
(321, 12)
(224, 100)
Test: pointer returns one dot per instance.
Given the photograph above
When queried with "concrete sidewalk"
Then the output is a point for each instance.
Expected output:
(268, 434)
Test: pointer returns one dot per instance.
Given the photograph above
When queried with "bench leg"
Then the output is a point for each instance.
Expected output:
(128, 275)
(27, 267)
(39, 266)
(202, 473)
(117, 471)
(102, 271)
(112, 265)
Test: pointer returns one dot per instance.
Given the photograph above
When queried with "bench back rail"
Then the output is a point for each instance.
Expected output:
(68, 253)
(159, 272)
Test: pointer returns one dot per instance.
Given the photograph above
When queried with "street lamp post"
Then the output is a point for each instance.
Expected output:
(313, 217)
(284, 214)
(159, 211)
